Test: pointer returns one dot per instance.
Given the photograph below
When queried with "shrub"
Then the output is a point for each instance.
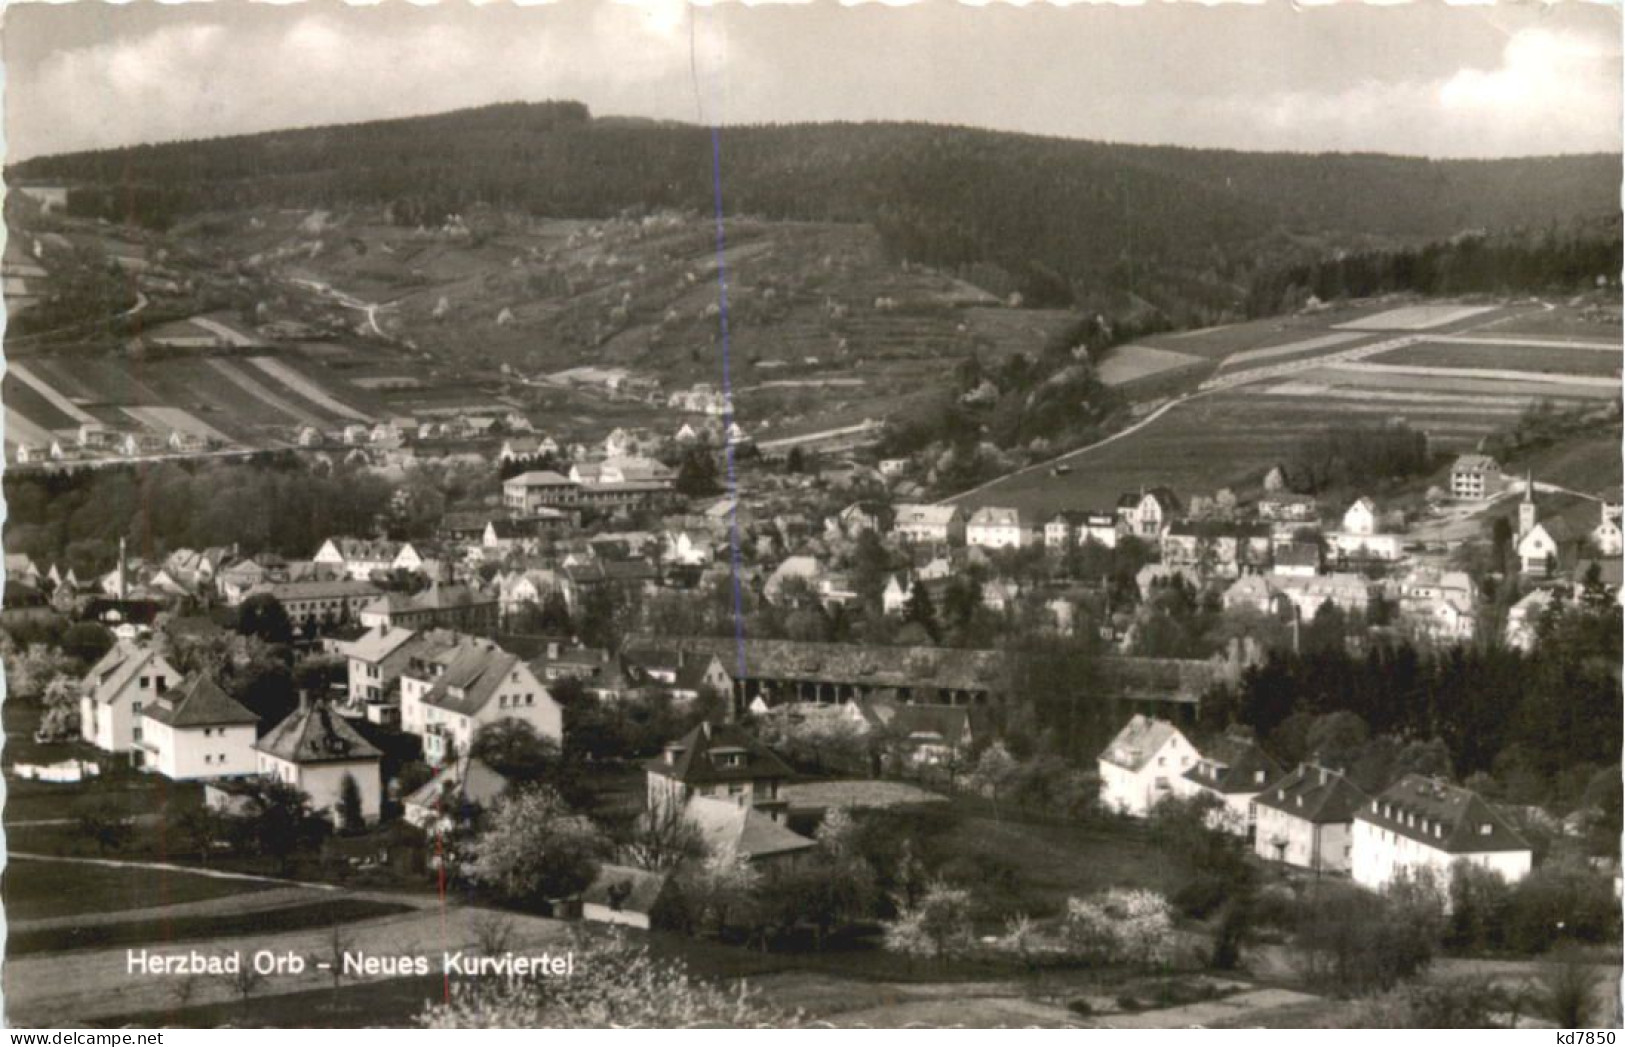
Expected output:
(1121, 926)
(1353, 942)
(1081, 1007)
(1127, 1002)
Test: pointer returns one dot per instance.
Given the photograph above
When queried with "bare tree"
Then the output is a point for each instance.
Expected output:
(493, 930)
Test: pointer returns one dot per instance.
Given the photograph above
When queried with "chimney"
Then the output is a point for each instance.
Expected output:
(304, 700)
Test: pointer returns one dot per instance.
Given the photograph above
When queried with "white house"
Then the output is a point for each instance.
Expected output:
(929, 523)
(1142, 764)
(1475, 477)
(1360, 518)
(117, 689)
(315, 750)
(360, 558)
(1145, 514)
(196, 730)
(1422, 823)
(894, 598)
(992, 527)
(1524, 618)
(449, 692)
(1306, 819)
(1233, 770)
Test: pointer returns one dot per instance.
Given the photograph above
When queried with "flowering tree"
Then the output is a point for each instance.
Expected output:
(1122, 926)
(938, 927)
(534, 847)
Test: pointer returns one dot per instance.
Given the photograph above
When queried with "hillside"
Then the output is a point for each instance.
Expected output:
(1062, 222)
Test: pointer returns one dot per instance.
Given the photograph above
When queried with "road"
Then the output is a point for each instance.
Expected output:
(348, 301)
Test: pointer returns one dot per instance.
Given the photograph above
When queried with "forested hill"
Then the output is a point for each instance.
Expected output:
(1058, 214)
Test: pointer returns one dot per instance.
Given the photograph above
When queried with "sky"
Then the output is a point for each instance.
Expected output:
(1422, 78)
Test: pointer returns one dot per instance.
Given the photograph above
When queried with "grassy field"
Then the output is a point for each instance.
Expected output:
(194, 928)
(35, 889)
(1507, 357)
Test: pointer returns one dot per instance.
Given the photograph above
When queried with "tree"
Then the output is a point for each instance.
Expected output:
(352, 816)
(104, 824)
(59, 720)
(86, 642)
(1121, 926)
(534, 848)
(937, 927)
(921, 610)
(513, 749)
(1353, 942)
(1567, 987)
(662, 838)
(275, 820)
(995, 773)
(626, 989)
(719, 889)
(262, 616)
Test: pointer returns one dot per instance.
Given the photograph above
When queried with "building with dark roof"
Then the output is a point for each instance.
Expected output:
(723, 761)
(1423, 823)
(1306, 819)
(195, 731)
(453, 685)
(1233, 769)
(315, 750)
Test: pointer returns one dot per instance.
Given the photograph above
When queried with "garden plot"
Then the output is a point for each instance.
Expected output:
(51, 396)
(1416, 317)
(1500, 355)
(293, 412)
(1492, 374)
(173, 419)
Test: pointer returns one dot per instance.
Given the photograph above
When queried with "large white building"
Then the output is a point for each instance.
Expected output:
(128, 678)
(1143, 765)
(196, 730)
(315, 750)
(451, 689)
(1233, 770)
(1422, 823)
(929, 523)
(1306, 819)
(991, 527)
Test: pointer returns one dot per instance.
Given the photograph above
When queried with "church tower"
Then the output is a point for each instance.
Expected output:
(1526, 508)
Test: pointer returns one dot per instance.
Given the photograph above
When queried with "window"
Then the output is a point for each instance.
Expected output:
(207, 758)
(161, 684)
(137, 734)
(135, 707)
(145, 683)
(1486, 829)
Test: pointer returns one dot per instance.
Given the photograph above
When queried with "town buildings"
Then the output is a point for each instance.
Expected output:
(196, 731)
(116, 691)
(1142, 766)
(316, 750)
(1423, 824)
(1306, 819)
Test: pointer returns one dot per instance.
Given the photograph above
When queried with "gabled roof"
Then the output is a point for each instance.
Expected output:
(955, 725)
(468, 781)
(379, 642)
(1316, 795)
(1443, 816)
(995, 516)
(741, 831)
(1475, 463)
(625, 889)
(695, 758)
(314, 733)
(925, 515)
(471, 678)
(1139, 740)
(109, 676)
(1233, 764)
(199, 702)
(539, 478)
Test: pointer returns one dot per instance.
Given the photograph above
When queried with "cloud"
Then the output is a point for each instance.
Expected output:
(1356, 84)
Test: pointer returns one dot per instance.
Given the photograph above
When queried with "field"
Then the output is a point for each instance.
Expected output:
(37, 890)
(1461, 382)
(1128, 364)
(1417, 317)
(1504, 357)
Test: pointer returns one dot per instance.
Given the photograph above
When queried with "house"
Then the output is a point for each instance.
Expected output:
(453, 795)
(992, 527)
(623, 895)
(450, 691)
(1142, 764)
(722, 762)
(1360, 519)
(1607, 537)
(1297, 560)
(1275, 480)
(195, 730)
(439, 606)
(118, 688)
(926, 734)
(1549, 544)
(1425, 823)
(318, 604)
(894, 598)
(1215, 547)
(376, 660)
(1306, 819)
(519, 449)
(890, 467)
(805, 569)
(1145, 514)
(1286, 507)
(538, 489)
(744, 832)
(1346, 591)
(940, 524)
(1000, 595)
(1475, 477)
(854, 520)
(315, 750)
(1523, 620)
(1232, 769)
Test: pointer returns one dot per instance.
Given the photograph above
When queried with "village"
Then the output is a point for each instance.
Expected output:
(598, 692)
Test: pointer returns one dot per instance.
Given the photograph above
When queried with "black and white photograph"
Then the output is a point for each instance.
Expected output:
(651, 515)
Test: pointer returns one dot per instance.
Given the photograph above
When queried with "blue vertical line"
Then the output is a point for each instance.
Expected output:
(728, 405)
